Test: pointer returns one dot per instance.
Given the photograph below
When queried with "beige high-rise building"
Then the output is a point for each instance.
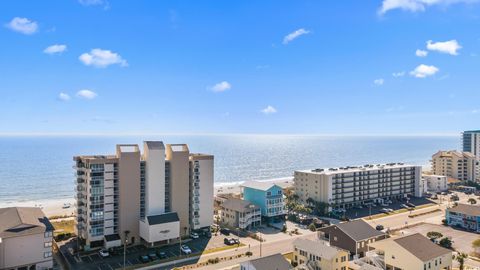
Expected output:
(454, 164)
(151, 197)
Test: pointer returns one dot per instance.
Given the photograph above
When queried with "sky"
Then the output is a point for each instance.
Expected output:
(264, 67)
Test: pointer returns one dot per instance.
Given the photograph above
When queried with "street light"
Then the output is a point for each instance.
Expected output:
(125, 241)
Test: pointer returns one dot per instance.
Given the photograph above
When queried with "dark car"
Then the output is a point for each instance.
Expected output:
(225, 231)
(409, 204)
(379, 227)
(162, 255)
(144, 259)
(228, 241)
(153, 256)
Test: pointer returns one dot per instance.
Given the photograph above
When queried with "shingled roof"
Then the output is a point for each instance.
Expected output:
(18, 221)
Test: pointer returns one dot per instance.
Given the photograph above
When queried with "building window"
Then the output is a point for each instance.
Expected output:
(48, 244)
(48, 234)
(47, 254)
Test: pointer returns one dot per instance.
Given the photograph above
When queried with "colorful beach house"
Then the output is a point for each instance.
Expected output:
(268, 196)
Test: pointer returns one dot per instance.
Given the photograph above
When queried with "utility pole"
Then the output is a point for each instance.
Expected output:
(125, 240)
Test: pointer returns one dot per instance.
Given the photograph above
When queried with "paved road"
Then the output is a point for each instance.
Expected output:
(268, 248)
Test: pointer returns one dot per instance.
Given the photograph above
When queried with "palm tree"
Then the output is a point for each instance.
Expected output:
(310, 202)
(461, 259)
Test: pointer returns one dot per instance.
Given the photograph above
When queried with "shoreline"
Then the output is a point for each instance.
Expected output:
(54, 207)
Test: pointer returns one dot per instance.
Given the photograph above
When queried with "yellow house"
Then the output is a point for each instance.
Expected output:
(309, 254)
(413, 252)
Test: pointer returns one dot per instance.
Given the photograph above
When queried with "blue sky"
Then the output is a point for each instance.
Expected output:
(308, 67)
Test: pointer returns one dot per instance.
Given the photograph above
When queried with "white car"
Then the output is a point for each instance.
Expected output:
(194, 235)
(185, 249)
(104, 253)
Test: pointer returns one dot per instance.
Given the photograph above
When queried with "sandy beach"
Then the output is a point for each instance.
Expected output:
(49, 207)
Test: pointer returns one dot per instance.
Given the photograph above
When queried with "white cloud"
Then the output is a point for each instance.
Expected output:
(86, 94)
(450, 47)
(91, 2)
(290, 37)
(423, 71)
(416, 5)
(63, 97)
(269, 110)
(398, 74)
(221, 87)
(378, 81)
(102, 58)
(23, 25)
(421, 53)
(57, 48)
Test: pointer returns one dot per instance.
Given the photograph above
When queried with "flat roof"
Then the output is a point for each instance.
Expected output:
(163, 218)
(467, 209)
(351, 169)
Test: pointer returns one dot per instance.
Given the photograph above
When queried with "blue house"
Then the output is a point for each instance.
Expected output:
(464, 215)
(268, 196)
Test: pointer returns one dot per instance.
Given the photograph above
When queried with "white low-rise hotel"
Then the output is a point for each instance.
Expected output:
(345, 187)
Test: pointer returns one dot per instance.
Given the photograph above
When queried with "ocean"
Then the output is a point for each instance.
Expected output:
(40, 168)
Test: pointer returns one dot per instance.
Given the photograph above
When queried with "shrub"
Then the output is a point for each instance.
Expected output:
(312, 227)
(434, 235)
(248, 253)
(284, 228)
(446, 242)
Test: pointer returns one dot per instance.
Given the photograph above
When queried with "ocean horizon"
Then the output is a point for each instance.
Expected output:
(37, 168)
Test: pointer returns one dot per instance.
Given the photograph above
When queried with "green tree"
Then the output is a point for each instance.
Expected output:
(472, 201)
(310, 202)
(434, 235)
(446, 242)
(461, 259)
(312, 227)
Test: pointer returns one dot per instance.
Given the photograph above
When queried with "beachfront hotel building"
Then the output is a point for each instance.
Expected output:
(455, 164)
(471, 144)
(26, 238)
(346, 187)
(151, 198)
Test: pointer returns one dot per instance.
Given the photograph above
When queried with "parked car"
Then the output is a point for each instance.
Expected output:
(384, 210)
(229, 241)
(185, 249)
(379, 227)
(443, 193)
(236, 241)
(162, 255)
(225, 231)
(454, 197)
(434, 197)
(410, 204)
(144, 259)
(384, 204)
(103, 253)
(153, 256)
(194, 235)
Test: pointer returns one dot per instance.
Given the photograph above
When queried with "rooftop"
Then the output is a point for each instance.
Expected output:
(451, 153)
(349, 169)
(317, 247)
(155, 145)
(162, 218)
(272, 262)
(421, 247)
(19, 221)
(358, 229)
(261, 185)
(239, 204)
(467, 209)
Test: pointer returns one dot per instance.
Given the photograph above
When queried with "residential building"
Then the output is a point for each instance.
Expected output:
(26, 237)
(129, 196)
(455, 164)
(311, 254)
(464, 215)
(471, 142)
(413, 251)
(268, 196)
(238, 213)
(435, 183)
(346, 187)
(272, 262)
(354, 236)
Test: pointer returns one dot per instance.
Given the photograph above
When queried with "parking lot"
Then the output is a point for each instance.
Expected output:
(354, 213)
(462, 240)
(115, 261)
